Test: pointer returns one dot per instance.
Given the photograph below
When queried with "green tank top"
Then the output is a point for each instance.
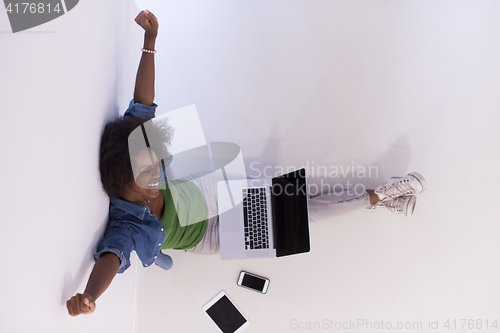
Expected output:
(186, 215)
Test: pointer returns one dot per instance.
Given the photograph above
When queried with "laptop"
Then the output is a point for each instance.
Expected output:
(263, 218)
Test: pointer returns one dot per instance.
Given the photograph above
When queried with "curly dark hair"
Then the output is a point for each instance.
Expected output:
(114, 158)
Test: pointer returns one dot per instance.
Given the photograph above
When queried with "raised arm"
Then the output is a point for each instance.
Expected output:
(144, 92)
(103, 273)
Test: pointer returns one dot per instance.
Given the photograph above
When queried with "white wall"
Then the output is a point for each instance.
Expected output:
(59, 84)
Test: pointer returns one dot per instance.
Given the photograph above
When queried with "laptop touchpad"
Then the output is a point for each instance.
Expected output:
(230, 220)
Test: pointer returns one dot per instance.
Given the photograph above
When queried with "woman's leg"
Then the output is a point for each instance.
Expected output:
(397, 196)
(373, 196)
(336, 204)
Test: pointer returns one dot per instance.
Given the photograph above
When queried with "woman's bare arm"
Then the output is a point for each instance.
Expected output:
(103, 273)
(144, 92)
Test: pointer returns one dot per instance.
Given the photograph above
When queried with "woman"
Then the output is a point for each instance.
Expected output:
(142, 217)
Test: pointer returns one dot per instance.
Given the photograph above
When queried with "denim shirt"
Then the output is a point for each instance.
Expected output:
(132, 227)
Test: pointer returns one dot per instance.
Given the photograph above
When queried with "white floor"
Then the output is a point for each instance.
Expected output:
(399, 86)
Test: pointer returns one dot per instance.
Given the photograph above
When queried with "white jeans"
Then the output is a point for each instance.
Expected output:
(321, 207)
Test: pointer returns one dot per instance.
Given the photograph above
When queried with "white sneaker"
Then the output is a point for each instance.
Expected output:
(412, 183)
(404, 205)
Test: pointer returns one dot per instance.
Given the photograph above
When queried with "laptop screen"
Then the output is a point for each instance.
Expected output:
(290, 217)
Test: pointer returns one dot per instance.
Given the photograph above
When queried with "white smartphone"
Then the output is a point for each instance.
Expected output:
(253, 282)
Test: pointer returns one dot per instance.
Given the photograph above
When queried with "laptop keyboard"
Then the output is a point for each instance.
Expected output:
(255, 218)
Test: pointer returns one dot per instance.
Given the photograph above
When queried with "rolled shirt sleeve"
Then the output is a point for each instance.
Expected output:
(118, 240)
(140, 110)
(145, 112)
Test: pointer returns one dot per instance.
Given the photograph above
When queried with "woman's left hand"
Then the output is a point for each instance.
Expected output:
(148, 22)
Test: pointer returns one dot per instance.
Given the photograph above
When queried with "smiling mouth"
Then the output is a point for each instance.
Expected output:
(153, 185)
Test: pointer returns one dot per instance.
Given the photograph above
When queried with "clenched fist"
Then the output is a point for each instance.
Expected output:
(148, 22)
(80, 303)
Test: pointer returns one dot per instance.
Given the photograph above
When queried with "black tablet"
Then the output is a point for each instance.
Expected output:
(225, 314)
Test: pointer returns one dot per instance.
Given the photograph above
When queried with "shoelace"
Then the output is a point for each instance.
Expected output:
(399, 187)
(394, 205)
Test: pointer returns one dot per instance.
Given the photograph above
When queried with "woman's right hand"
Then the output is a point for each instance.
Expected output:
(148, 22)
(81, 303)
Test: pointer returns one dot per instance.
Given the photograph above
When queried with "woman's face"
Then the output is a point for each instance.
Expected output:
(147, 165)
